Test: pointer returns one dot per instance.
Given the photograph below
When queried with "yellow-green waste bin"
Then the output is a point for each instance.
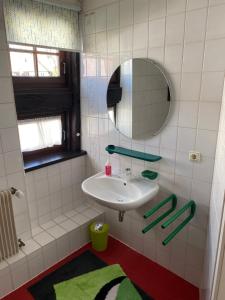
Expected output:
(99, 235)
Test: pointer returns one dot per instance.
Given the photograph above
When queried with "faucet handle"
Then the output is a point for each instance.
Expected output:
(128, 171)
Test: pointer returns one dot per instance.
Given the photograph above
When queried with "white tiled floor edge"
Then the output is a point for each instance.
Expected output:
(50, 243)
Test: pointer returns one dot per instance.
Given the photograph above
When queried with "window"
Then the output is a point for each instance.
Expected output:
(41, 133)
(46, 86)
(28, 61)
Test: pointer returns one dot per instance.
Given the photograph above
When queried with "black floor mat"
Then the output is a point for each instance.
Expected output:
(86, 262)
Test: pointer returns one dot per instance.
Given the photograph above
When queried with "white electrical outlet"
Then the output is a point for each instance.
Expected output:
(194, 156)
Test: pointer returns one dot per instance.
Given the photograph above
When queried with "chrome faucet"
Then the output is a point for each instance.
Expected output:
(126, 175)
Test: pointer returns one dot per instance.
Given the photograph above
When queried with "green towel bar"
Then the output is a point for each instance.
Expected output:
(132, 153)
(191, 204)
(171, 198)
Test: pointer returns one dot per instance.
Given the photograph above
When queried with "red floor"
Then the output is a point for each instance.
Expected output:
(152, 278)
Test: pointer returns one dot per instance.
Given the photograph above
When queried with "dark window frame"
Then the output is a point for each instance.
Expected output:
(53, 96)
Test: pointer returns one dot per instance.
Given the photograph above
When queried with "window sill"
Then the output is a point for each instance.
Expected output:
(50, 159)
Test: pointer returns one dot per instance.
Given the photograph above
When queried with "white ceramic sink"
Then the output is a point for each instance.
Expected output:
(116, 193)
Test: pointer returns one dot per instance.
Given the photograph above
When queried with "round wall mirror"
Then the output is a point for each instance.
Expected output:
(138, 98)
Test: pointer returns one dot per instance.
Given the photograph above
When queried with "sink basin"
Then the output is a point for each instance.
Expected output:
(118, 194)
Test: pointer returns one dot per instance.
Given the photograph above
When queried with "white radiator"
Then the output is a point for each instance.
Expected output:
(8, 239)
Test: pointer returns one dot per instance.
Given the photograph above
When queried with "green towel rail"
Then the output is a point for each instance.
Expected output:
(190, 205)
(132, 153)
(173, 200)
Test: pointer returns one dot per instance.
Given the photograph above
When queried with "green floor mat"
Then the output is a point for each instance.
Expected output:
(110, 281)
(127, 291)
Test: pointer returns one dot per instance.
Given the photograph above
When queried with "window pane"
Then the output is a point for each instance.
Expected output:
(21, 47)
(22, 64)
(48, 65)
(47, 50)
(40, 133)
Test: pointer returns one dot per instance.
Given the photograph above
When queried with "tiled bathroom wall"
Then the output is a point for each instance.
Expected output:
(54, 190)
(216, 208)
(49, 193)
(187, 39)
(11, 165)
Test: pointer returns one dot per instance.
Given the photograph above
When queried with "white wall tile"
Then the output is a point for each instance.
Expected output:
(55, 184)
(182, 186)
(35, 263)
(89, 23)
(156, 33)
(140, 40)
(157, 9)
(214, 55)
(169, 137)
(101, 42)
(6, 282)
(41, 188)
(186, 139)
(6, 90)
(100, 19)
(113, 41)
(209, 111)
(216, 22)
(2, 166)
(13, 161)
(173, 58)
(126, 12)
(193, 56)
(126, 39)
(19, 272)
(212, 86)
(89, 42)
(206, 142)
(193, 4)
(7, 115)
(215, 2)
(157, 54)
(113, 16)
(4, 63)
(16, 179)
(49, 255)
(10, 139)
(204, 169)
(192, 80)
(183, 165)
(175, 6)
(201, 192)
(175, 29)
(195, 25)
(141, 11)
(188, 115)
(168, 162)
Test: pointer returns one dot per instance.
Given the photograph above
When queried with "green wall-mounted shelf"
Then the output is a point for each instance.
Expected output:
(132, 153)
